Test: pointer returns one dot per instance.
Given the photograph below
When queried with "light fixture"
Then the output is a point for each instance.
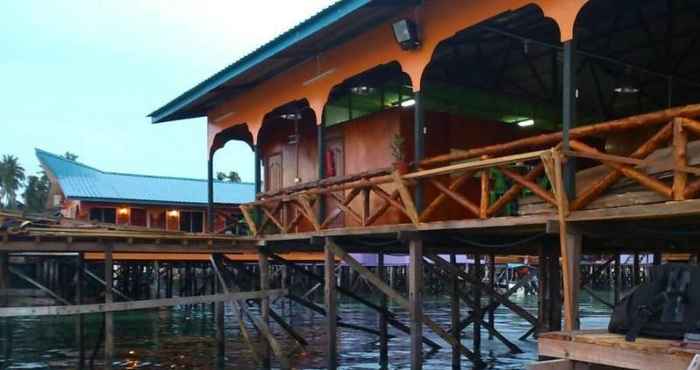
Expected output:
(174, 213)
(626, 86)
(291, 116)
(123, 211)
(406, 34)
(408, 103)
(526, 123)
(362, 90)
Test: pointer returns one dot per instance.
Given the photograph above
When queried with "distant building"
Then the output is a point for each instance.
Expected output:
(85, 193)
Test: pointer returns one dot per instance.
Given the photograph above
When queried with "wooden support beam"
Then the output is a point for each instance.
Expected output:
(562, 213)
(680, 159)
(331, 307)
(415, 302)
(485, 192)
(249, 220)
(406, 197)
(383, 325)
(101, 281)
(442, 197)
(455, 315)
(80, 320)
(219, 313)
(458, 198)
(38, 285)
(530, 185)
(264, 268)
(398, 298)
(476, 294)
(108, 316)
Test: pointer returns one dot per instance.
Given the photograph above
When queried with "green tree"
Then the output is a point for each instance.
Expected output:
(70, 156)
(232, 176)
(11, 179)
(36, 192)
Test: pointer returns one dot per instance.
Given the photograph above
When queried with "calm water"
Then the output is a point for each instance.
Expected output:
(182, 338)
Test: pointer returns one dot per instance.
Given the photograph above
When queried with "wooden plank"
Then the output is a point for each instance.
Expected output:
(331, 307)
(415, 301)
(304, 206)
(135, 305)
(611, 356)
(560, 364)
(441, 198)
(648, 211)
(385, 206)
(531, 185)
(99, 280)
(343, 206)
(475, 165)
(406, 197)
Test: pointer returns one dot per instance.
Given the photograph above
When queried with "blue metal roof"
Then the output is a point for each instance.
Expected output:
(303, 30)
(82, 182)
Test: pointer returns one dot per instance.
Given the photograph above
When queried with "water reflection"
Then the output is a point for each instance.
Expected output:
(182, 338)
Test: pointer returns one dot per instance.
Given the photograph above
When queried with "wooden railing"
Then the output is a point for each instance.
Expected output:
(532, 166)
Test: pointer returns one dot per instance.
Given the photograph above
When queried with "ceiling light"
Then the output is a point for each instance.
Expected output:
(362, 90)
(291, 116)
(408, 103)
(406, 34)
(527, 123)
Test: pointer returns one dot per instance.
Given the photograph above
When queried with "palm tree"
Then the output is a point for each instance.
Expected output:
(232, 176)
(11, 178)
(36, 192)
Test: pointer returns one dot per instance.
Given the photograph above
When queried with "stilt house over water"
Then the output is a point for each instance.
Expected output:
(550, 127)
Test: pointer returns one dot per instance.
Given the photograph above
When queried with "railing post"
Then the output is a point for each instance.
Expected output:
(680, 159)
(485, 192)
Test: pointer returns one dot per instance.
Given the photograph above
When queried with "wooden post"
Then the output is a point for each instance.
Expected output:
(418, 144)
(485, 192)
(321, 154)
(415, 297)
(455, 314)
(79, 325)
(680, 159)
(574, 244)
(210, 193)
(4, 276)
(331, 308)
(492, 282)
(383, 325)
(476, 294)
(264, 268)
(636, 278)
(617, 279)
(109, 318)
(569, 113)
(219, 311)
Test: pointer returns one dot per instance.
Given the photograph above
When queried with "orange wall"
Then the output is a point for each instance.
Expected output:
(313, 79)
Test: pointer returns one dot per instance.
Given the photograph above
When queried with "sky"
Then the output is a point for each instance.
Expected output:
(82, 76)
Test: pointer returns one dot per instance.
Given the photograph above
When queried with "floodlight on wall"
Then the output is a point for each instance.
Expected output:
(123, 211)
(174, 213)
(406, 34)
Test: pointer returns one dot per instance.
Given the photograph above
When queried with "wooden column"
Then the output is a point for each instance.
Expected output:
(636, 278)
(264, 267)
(219, 311)
(4, 275)
(492, 282)
(257, 169)
(569, 113)
(156, 279)
(574, 244)
(419, 144)
(680, 159)
(617, 278)
(321, 155)
(383, 325)
(476, 294)
(455, 314)
(415, 297)
(80, 322)
(210, 193)
(331, 308)
(109, 318)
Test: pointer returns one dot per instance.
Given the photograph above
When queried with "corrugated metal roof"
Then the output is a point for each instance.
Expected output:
(325, 18)
(80, 181)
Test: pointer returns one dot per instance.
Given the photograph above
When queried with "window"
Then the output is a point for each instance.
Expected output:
(105, 215)
(138, 217)
(192, 221)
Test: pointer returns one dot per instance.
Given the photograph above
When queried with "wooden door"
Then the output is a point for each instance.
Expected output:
(273, 172)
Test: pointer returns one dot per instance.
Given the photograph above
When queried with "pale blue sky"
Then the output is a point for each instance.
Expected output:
(82, 75)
